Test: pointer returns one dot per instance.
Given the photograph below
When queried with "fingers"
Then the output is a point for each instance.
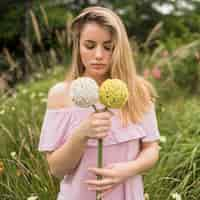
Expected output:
(102, 115)
(102, 182)
(100, 188)
(102, 129)
(105, 192)
(99, 125)
(101, 171)
(99, 136)
(100, 122)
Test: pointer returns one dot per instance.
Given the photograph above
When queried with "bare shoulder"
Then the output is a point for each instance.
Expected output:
(58, 95)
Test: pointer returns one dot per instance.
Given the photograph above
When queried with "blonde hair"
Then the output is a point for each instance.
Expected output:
(141, 92)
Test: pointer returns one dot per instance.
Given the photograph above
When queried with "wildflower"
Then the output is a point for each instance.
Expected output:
(164, 53)
(37, 177)
(197, 55)
(163, 139)
(48, 71)
(13, 154)
(146, 73)
(1, 167)
(24, 91)
(41, 94)
(13, 108)
(32, 198)
(176, 196)
(2, 112)
(156, 73)
(163, 109)
(38, 75)
(146, 196)
(43, 100)
(18, 172)
(14, 95)
(32, 95)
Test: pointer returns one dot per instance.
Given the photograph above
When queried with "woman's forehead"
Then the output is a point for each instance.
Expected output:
(95, 32)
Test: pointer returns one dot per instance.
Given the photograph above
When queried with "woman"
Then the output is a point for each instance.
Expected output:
(69, 134)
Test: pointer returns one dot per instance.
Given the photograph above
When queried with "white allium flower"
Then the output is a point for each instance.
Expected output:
(84, 92)
(176, 196)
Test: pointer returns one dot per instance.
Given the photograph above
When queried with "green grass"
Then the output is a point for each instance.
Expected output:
(179, 166)
(26, 173)
(20, 122)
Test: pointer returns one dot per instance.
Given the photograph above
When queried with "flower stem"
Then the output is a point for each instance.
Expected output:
(100, 158)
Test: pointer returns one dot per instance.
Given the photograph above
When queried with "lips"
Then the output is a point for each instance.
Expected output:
(101, 64)
(98, 66)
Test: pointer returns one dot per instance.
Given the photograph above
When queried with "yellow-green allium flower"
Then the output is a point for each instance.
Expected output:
(113, 93)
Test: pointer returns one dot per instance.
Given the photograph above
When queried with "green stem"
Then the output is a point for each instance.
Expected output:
(99, 164)
(100, 158)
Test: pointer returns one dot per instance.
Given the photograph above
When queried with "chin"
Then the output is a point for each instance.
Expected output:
(99, 73)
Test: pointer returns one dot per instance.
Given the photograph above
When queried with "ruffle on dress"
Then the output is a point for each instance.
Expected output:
(59, 124)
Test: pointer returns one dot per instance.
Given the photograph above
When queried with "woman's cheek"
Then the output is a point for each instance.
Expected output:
(85, 56)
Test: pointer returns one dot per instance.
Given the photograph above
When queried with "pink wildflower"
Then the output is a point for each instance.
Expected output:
(146, 73)
(156, 73)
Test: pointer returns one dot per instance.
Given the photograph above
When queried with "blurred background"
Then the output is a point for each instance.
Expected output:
(35, 53)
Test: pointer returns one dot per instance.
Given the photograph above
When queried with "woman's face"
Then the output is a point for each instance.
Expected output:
(95, 51)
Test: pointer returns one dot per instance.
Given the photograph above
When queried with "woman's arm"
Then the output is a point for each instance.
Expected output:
(64, 159)
(146, 159)
(116, 173)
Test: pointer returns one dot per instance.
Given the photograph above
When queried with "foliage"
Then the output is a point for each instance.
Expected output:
(13, 20)
(135, 15)
(179, 166)
(22, 68)
(11, 23)
(186, 73)
(169, 64)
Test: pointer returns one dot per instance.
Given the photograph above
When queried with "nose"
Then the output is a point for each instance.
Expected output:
(99, 53)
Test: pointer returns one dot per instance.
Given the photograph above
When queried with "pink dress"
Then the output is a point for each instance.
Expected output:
(121, 145)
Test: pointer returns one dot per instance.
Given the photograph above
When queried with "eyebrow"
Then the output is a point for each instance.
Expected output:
(91, 41)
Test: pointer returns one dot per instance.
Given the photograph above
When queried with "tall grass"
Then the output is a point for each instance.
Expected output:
(24, 171)
(178, 170)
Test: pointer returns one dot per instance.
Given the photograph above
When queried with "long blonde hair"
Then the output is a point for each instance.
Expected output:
(141, 92)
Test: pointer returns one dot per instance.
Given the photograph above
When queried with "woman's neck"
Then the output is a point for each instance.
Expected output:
(98, 79)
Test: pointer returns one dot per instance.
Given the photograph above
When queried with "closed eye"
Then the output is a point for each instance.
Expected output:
(109, 48)
(89, 46)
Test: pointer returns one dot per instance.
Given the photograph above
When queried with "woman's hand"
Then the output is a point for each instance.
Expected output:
(113, 175)
(97, 125)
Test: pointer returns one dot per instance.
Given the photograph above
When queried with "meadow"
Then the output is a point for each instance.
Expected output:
(24, 173)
